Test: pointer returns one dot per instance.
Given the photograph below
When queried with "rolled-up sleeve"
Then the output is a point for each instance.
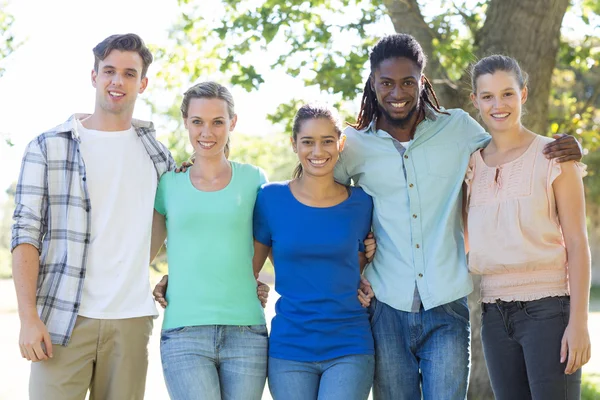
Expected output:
(31, 198)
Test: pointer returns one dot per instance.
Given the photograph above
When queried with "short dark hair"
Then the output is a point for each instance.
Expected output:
(125, 42)
(497, 62)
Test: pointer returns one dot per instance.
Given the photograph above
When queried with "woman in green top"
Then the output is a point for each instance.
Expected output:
(214, 339)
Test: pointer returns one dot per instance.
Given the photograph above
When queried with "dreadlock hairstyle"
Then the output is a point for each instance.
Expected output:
(393, 46)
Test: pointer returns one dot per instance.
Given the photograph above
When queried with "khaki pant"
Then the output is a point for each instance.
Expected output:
(107, 356)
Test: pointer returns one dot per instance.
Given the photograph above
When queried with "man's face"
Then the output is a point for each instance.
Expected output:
(397, 83)
(118, 81)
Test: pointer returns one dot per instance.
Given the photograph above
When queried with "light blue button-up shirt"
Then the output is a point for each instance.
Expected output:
(417, 218)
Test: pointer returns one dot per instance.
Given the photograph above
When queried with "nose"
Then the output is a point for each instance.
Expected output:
(318, 149)
(117, 80)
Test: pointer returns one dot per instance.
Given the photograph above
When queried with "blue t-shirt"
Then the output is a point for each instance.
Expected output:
(317, 274)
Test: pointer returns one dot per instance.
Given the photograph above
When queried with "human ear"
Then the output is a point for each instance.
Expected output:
(233, 123)
(342, 142)
(474, 100)
(143, 85)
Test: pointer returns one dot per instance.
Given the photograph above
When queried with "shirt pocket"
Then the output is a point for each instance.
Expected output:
(443, 159)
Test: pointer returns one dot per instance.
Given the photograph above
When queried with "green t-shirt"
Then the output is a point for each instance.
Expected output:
(210, 249)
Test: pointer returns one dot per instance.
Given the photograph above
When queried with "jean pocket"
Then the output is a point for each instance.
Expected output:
(166, 334)
(458, 309)
(260, 330)
(546, 308)
(374, 311)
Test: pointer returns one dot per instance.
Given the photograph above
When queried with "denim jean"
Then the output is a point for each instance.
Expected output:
(215, 362)
(343, 378)
(423, 354)
(521, 345)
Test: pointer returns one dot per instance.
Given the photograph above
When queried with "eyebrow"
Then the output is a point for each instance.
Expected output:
(503, 90)
(198, 117)
(404, 78)
(321, 137)
(126, 69)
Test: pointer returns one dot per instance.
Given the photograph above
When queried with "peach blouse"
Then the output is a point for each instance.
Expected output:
(515, 238)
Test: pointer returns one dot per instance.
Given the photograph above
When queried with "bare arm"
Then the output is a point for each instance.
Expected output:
(261, 252)
(465, 215)
(26, 265)
(159, 234)
(570, 201)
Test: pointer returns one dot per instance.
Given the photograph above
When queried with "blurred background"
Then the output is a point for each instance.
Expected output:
(275, 55)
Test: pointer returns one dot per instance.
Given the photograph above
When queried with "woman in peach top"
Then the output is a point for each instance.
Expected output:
(526, 218)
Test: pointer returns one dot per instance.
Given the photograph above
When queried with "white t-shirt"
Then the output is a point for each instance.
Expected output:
(121, 181)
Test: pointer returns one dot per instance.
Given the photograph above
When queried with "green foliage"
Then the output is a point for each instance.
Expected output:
(590, 387)
(8, 43)
(273, 153)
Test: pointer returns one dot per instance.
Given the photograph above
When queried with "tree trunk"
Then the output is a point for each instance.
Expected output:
(529, 31)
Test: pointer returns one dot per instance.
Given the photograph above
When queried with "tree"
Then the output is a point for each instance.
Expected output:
(326, 43)
(8, 44)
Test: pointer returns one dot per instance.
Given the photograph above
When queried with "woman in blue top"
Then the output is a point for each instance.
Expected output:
(321, 345)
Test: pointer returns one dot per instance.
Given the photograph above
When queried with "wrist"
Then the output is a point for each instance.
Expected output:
(27, 313)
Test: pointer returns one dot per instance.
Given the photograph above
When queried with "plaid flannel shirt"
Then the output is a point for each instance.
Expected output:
(52, 213)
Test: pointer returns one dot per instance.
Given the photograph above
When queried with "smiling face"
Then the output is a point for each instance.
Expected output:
(397, 83)
(318, 146)
(118, 81)
(499, 99)
(208, 123)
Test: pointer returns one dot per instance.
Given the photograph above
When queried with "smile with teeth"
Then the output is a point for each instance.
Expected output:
(115, 94)
(500, 115)
(318, 162)
(207, 145)
(399, 105)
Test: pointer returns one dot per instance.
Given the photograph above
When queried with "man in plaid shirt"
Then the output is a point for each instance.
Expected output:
(81, 238)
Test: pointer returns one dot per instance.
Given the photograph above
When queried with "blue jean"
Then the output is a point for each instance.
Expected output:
(425, 354)
(215, 362)
(521, 345)
(343, 378)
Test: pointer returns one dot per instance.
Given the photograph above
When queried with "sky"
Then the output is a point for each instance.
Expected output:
(48, 78)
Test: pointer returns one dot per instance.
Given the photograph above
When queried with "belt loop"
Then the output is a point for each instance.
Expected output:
(520, 304)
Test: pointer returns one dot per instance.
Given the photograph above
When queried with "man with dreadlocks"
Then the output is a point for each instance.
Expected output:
(410, 155)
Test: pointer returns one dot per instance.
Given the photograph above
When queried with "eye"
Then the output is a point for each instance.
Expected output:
(486, 97)
(329, 141)
(386, 84)
(109, 72)
(306, 142)
(131, 74)
(508, 94)
(196, 122)
(409, 83)
(219, 122)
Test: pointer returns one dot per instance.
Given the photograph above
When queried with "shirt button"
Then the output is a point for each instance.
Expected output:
(414, 215)
(84, 179)
(418, 246)
(405, 156)
(411, 185)
(420, 275)
(87, 241)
